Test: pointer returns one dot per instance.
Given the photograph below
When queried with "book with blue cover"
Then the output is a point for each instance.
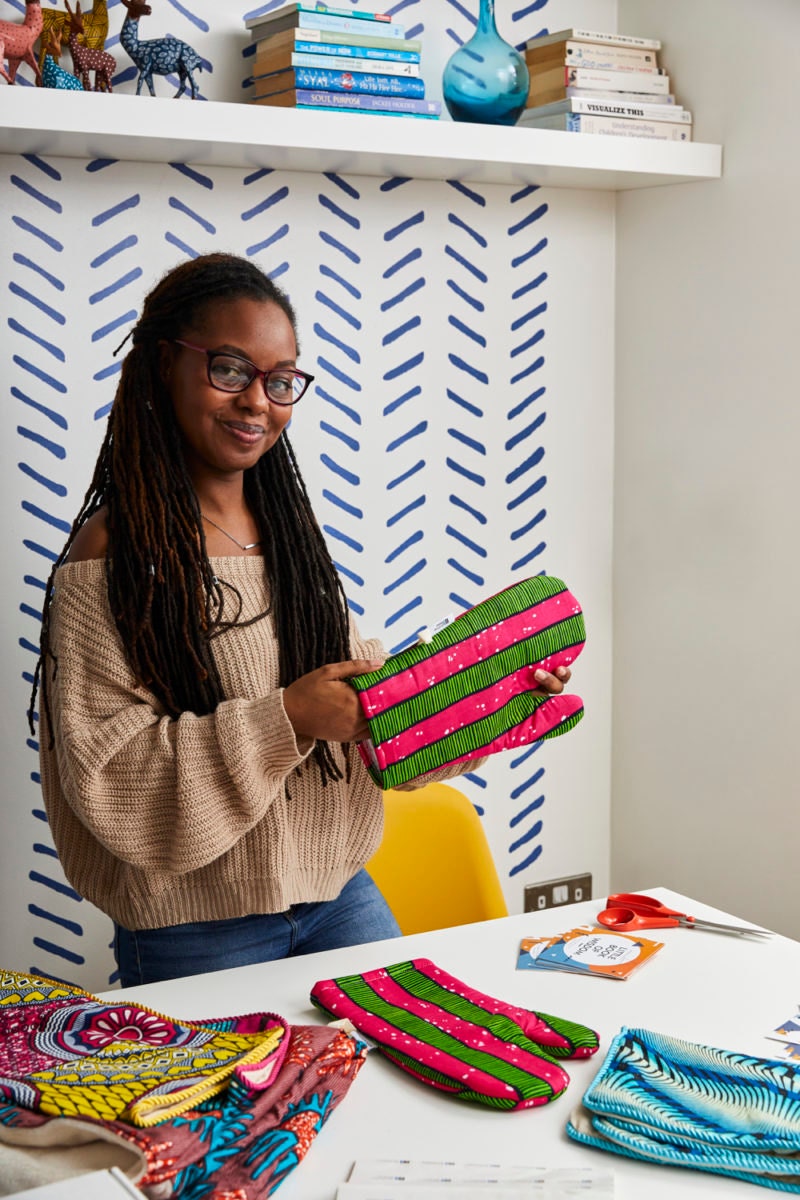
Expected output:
(338, 81)
(381, 53)
(342, 63)
(353, 102)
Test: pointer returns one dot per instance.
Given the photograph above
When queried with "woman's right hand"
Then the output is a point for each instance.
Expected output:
(322, 706)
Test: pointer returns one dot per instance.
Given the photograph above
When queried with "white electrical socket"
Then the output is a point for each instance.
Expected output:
(570, 889)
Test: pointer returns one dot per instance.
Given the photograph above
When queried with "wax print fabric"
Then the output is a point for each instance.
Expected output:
(670, 1101)
(240, 1139)
(471, 690)
(63, 1051)
(455, 1038)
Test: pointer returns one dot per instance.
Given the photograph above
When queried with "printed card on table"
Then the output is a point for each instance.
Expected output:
(588, 951)
(788, 1033)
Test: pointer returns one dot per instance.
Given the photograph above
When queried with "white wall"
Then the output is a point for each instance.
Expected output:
(80, 246)
(706, 563)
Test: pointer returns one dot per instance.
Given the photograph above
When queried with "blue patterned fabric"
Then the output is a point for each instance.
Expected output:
(675, 1102)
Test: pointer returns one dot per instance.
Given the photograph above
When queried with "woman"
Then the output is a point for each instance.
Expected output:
(197, 727)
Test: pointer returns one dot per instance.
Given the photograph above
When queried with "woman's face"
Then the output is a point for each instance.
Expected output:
(224, 433)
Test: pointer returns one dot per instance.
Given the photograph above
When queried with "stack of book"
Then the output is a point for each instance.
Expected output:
(309, 55)
(602, 83)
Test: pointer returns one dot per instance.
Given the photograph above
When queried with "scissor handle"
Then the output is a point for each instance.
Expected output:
(642, 904)
(625, 919)
(658, 917)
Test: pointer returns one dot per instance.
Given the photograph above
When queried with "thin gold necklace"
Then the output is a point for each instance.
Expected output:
(236, 542)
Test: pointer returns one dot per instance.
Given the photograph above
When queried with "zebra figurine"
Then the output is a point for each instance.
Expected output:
(158, 55)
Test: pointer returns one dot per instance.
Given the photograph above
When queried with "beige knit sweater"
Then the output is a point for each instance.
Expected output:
(160, 821)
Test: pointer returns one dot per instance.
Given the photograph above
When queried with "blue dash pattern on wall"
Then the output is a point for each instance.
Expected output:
(40, 306)
(423, 309)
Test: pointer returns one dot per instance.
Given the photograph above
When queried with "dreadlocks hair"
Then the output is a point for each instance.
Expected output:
(166, 601)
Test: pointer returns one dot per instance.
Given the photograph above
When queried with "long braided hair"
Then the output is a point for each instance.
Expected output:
(166, 601)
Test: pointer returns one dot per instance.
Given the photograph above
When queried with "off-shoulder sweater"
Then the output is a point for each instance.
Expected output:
(160, 821)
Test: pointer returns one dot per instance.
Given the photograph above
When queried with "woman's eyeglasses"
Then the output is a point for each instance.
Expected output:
(230, 373)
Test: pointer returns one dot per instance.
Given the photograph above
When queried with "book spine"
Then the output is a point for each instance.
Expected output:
(665, 131)
(607, 58)
(355, 81)
(574, 93)
(353, 64)
(318, 9)
(369, 112)
(349, 24)
(367, 103)
(400, 45)
(623, 81)
(589, 35)
(615, 39)
(588, 54)
(377, 53)
(612, 108)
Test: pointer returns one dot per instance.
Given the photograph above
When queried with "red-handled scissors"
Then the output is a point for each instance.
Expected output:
(627, 911)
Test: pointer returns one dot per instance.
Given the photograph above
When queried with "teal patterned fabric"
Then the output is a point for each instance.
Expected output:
(675, 1102)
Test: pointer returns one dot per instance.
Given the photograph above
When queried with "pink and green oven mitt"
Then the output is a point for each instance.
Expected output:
(470, 691)
(453, 1037)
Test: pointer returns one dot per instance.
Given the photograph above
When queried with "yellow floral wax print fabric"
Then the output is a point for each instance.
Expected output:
(67, 1053)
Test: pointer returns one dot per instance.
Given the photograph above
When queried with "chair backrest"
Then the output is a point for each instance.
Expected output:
(434, 865)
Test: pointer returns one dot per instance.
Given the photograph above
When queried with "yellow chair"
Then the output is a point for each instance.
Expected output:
(434, 865)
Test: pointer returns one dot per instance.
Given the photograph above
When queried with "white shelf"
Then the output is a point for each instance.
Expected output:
(212, 133)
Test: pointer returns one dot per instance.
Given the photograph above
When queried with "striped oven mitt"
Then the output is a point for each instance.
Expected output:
(456, 1039)
(470, 690)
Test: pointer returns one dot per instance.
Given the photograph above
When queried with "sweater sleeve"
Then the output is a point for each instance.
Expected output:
(157, 792)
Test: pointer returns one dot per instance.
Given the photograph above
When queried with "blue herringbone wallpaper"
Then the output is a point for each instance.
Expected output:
(425, 313)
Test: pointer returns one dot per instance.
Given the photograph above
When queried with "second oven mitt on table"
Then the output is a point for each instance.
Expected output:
(665, 1100)
(471, 689)
(454, 1038)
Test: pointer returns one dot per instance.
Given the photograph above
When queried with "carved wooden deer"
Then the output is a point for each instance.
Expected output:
(16, 41)
(54, 76)
(157, 56)
(95, 27)
(85, 59)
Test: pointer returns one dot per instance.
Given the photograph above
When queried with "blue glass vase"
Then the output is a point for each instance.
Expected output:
(486, 80)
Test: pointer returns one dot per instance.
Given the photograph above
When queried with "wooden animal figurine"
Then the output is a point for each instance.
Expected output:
(157, 56)
(16, 41)
(95, 28)
(54, 76)
(85, 59)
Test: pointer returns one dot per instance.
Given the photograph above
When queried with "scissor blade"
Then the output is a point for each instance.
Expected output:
(740, 929)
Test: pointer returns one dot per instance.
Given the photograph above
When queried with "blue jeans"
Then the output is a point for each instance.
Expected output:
(358, 914)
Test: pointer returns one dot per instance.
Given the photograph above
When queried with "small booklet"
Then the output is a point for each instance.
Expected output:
(588, 951)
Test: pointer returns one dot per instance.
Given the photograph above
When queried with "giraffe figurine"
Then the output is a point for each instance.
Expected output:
(158, 55)
(16, 41)
(54, 76)
(86, 60)
(95, 28)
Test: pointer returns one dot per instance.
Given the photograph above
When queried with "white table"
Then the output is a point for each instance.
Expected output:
(714, 988)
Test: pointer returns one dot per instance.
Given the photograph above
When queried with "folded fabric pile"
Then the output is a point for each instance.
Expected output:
(454, 1038)
(674, 1102)
(229, 1105)
(471, 689)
